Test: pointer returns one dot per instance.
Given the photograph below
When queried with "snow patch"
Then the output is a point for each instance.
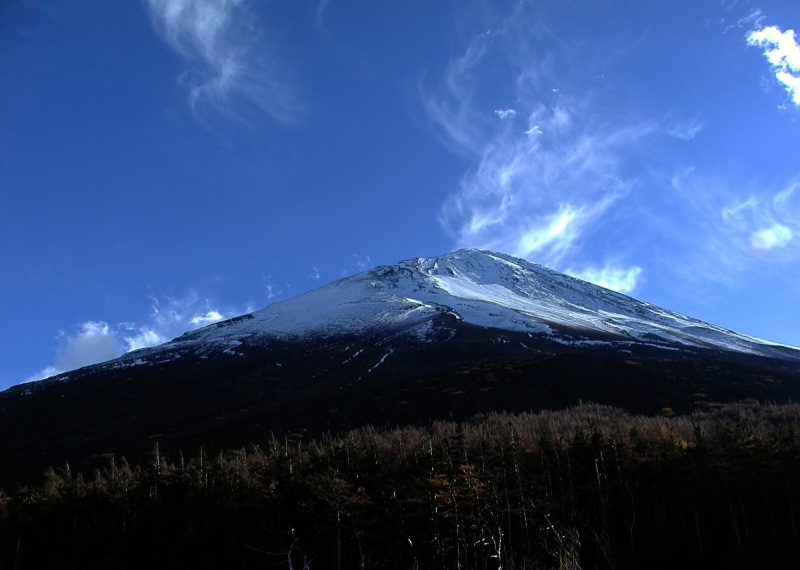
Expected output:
(385, 356)
(231, 344)
(353, 356)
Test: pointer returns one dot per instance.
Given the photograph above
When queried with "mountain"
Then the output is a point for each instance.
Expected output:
(441, 337)
(485, 289)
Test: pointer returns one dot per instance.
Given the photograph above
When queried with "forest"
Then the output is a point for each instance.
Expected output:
(586, 487)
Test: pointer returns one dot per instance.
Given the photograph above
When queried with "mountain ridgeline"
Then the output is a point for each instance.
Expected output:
(446, 337)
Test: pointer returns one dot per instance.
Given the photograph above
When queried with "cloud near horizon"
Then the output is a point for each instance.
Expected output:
(232, 67)
(94, 342)
(97, 341)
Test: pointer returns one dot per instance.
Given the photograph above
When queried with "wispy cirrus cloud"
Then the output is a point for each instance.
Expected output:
(548, 172)
(97, 341)
(232, 67)
(363, 262)
(686, 131)
(358, 264)
(321, 6)
(505, 113)
(271, 289)
(767, 224)
(566, 172)
(783, 53)
(726, 230)
(539, 185)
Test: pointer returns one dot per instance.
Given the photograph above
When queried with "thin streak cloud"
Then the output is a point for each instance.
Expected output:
(232, 68)
(321, 6)
(685, 131)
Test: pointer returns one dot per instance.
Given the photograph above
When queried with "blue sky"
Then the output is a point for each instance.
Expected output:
(167, 163)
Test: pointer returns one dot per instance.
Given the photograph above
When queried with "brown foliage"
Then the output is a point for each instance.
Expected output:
(590, 486)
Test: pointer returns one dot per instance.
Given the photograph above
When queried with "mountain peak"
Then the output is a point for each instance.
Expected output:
(482, 288)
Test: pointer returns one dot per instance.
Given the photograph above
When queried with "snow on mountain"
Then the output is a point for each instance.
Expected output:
(481, 288)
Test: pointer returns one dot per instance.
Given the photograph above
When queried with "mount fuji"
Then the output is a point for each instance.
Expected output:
(480, 288)
(442, 337)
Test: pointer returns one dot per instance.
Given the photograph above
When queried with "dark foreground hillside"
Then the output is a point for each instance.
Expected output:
(587, 487)
(227, 401)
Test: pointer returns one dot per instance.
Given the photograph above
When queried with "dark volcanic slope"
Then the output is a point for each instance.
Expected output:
(311, 387)
(402, 344)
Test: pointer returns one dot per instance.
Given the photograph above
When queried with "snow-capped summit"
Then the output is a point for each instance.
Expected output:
(481, 288)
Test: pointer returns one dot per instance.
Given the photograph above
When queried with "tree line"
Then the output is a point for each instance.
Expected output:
(586, 487)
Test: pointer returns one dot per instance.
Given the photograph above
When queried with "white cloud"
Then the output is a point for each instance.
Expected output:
(751, 20)
(532, 195)
(232, 68)
(171, 316)
(45, 372)
(505, 113)
(271, 289)
(685, 131)
(776, 235)
(93, 342)
(97, 341)
(783, 53)
(573, 177)
(723, 240)
(611, 276)
(556, 233)
(570, 177)
(451, 107)
(211, 316)
(314, 273)
(362, 263)
(764, 224)
(141, 337)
